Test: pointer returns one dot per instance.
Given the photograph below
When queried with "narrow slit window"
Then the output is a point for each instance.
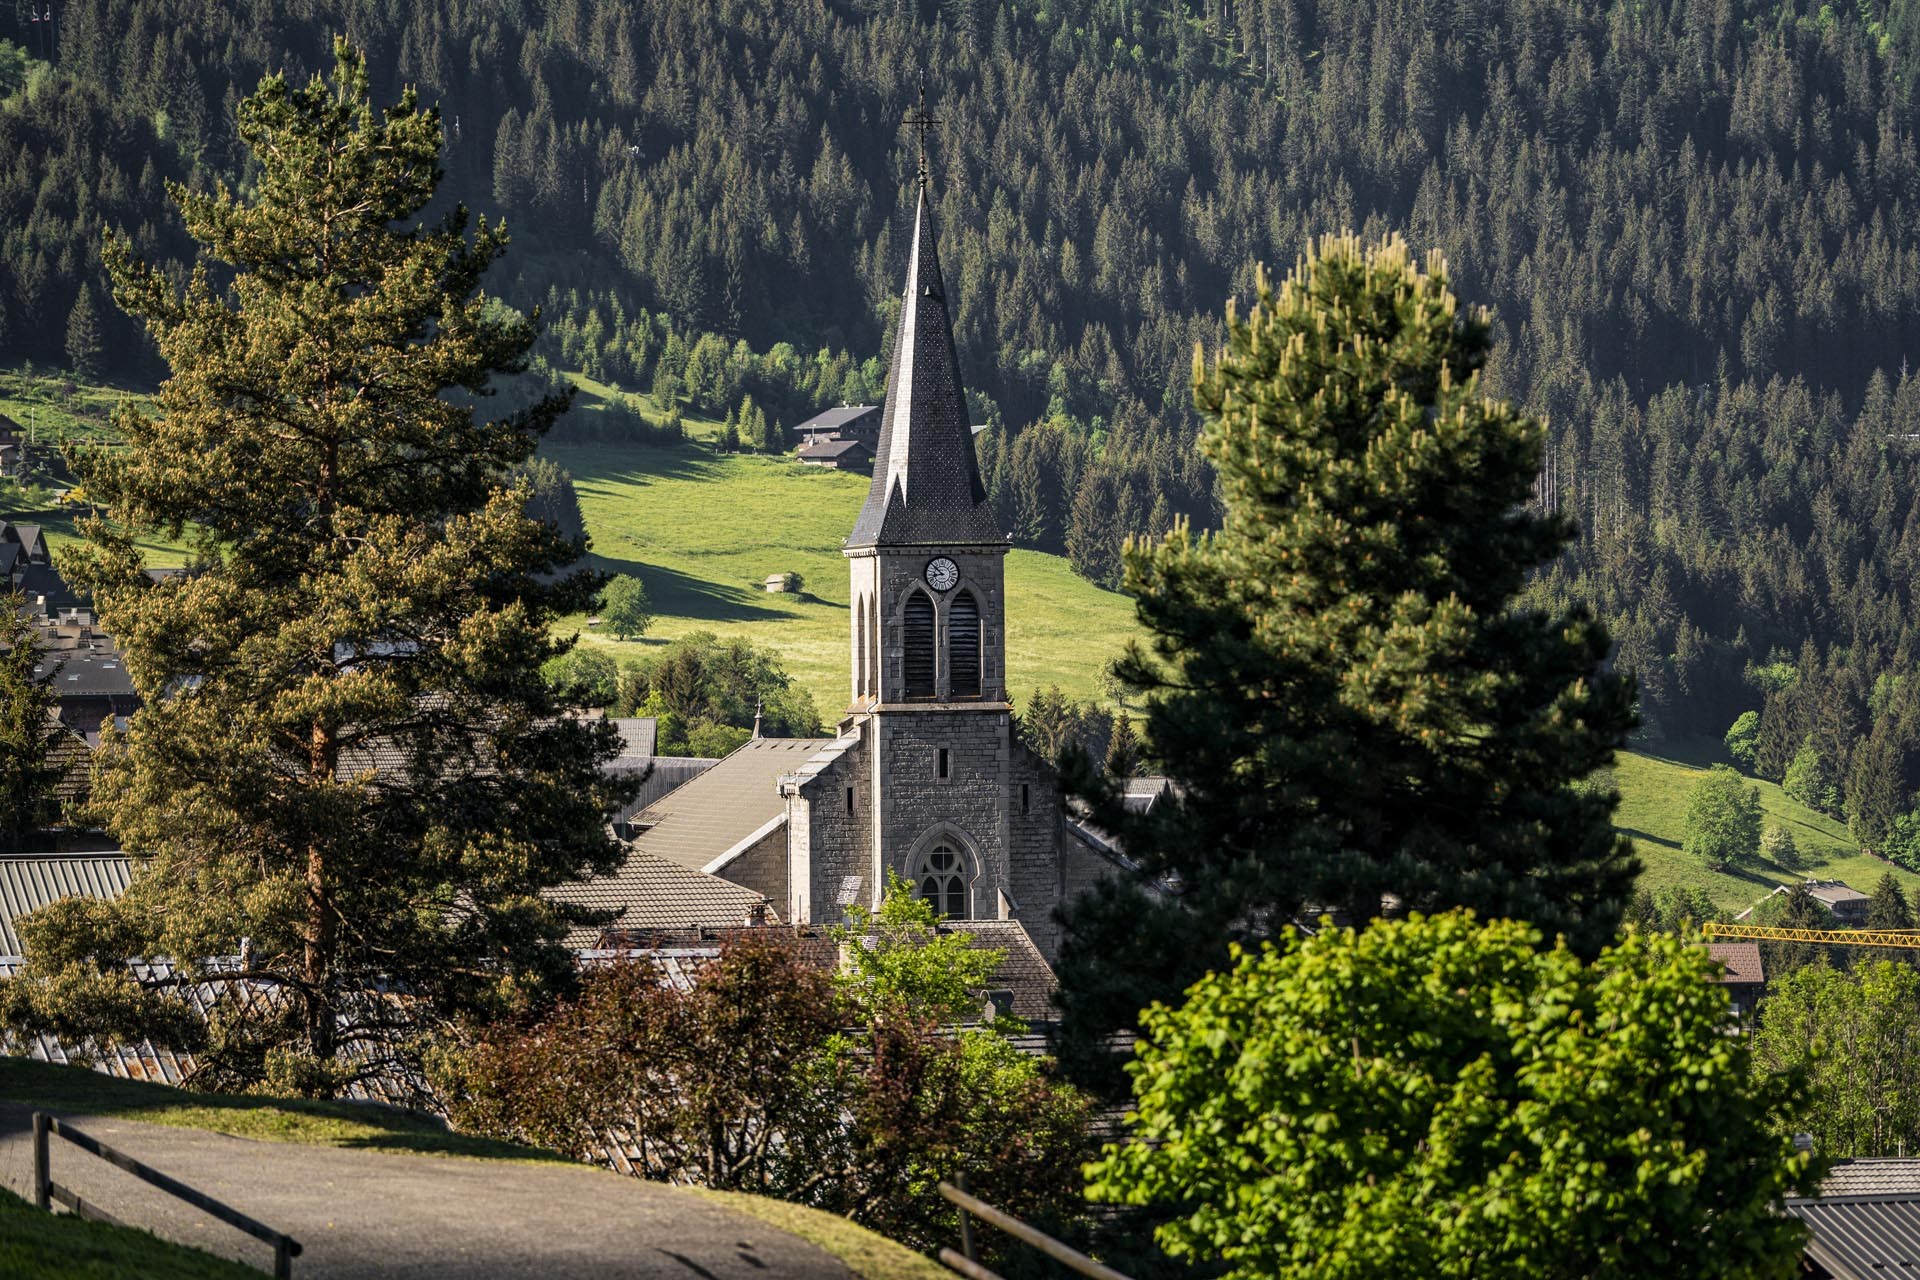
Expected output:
(849, 799)
(1026, 798)
(941, 764)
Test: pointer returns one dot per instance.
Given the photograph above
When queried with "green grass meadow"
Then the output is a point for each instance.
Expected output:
(704, 530)
(1655, 783)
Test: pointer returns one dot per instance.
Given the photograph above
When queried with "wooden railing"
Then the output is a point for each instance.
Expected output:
(970, 1208)
(46, 1192)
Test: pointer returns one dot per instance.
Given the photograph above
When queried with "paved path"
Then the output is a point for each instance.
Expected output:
(362, 1214)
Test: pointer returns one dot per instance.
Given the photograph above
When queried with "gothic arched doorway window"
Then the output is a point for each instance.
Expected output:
(963, 645)
(917, 640)
(940, 877)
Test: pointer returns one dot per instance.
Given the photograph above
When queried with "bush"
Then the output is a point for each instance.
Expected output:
(1440, 1097)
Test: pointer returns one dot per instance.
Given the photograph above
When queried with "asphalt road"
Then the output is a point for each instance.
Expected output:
(362, 1214)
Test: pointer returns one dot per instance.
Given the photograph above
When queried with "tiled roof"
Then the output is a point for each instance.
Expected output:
(1877, 1177)
(694, 824)
(1024, 972)
(926, 482)
(1857, 1237)
(1741, 960)
(830, 449)
(639, 736)
(651, 892)
(29, 882)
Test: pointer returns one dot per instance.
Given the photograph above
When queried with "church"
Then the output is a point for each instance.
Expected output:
(927, 778)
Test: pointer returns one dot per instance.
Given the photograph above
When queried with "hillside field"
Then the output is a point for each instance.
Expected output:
(1654, 785)
(703, 530)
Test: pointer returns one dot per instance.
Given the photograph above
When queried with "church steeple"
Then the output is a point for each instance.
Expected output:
(926, 487)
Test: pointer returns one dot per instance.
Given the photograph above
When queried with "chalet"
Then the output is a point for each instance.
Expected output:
(1848, 904)
(840, 455)
(1741, 973)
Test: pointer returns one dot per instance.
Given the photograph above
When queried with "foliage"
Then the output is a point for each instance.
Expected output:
(1442, 1097)
(625, 608)
(1723, 820)
(27, 703)
(1123, 748)
(1797, 908)
(1671, 910)
(551, 497)
(587, 677)
(1810, 780)
(346, 752)
(1856, 1033)
(1902, 844)
(1777, 846)
(746, 1080)
(1740, 738)
(1888, 908)
(1340, 675)
(706, 691)
(1051, 724)
(85, 347)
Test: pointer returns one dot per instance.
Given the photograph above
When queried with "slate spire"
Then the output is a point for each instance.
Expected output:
(926, 484)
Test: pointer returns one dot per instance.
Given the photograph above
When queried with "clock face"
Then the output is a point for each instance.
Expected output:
(942, 573)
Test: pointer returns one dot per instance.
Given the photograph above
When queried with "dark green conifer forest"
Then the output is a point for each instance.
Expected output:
(1697, 222)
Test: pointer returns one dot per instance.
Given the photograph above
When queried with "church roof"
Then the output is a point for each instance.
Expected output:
(694, 824)
(926, 482)
(651, 892)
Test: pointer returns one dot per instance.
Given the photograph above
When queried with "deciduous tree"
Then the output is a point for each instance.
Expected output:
(1723, 820)
(625, 608)
(1444, 1097)
(1857, 1033)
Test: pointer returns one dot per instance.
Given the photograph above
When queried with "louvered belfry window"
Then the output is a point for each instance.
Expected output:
(963, 641)
(919, 645)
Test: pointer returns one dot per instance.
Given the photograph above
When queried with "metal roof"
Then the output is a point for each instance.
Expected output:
(29, 882)
(837, 419)
(926, 482)
(1856, 1237)
(830, 448)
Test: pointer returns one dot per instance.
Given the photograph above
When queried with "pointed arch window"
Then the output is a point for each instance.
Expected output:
(963, 645)
(918, 644)
(940, 877)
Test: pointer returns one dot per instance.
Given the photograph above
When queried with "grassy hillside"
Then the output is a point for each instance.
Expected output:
(33, 1243)
(1654, 786)
(704, 530)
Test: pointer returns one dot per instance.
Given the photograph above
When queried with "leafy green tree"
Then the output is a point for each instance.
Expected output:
(86, 346)
(1723, 820)
(1797, 908)
(27, 703)
(1857, 1035)
(625, 608)
(1777, 846)
(587, 677)
(1671, 910)
(346, 751)
(1341, 675)
(1809, 779)
(1902, 843)
(1445, 1097)
(897, 958)
(1741, 738)
(706, 693)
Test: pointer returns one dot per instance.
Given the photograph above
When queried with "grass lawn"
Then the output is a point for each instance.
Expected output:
(703, 530)
(1654, 785)
(322, 1124)
(33, 1243)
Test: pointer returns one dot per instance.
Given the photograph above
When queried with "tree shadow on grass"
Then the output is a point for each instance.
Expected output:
(631, 464)
(674, 594)
(1637, 834)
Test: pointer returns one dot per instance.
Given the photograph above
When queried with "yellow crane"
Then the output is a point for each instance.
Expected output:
(1900, 938)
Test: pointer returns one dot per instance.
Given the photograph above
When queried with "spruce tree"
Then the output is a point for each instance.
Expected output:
(1360, 712)
(86, 348)
(346, 752)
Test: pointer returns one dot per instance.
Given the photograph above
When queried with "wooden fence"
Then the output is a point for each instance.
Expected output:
(964, 1261)
(46, 1192)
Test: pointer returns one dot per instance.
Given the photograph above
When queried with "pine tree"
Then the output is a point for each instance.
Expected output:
(85, 347)
(1123, 750)
(346, 752)
(1339, 675)
(27, 703)
(1888, 907)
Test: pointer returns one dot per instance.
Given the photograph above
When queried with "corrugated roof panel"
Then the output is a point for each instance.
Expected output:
(28, 883)
(1855, 1237)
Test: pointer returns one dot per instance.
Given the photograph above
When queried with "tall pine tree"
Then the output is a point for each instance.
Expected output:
(347, 753)
(1339, 676)
(26, 709)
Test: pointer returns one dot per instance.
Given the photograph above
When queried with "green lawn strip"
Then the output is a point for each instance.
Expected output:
(704, 531)
(323, 1124)
(44, 1245)
(591, 396)
(868, 1255)
(1655, 783)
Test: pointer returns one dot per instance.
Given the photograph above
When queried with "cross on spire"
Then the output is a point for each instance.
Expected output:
(922, 122)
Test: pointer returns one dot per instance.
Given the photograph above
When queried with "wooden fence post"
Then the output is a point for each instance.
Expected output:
(42, 1177)
(966, 1223)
